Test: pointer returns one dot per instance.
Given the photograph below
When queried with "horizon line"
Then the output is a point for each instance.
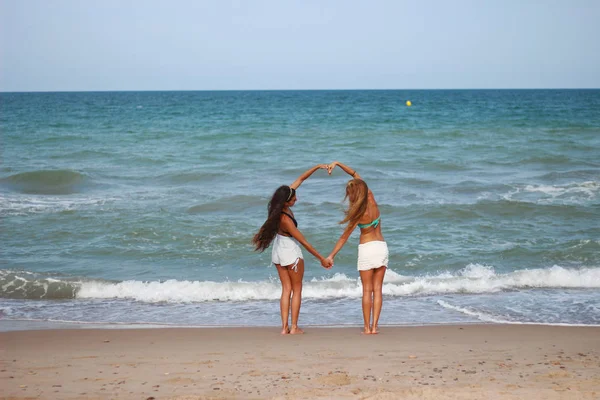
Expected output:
(285, 90)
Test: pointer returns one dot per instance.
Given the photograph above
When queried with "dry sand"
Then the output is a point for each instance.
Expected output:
(431, 362)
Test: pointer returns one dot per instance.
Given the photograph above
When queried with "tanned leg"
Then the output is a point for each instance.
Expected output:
(284, 302)
(378, 275)
(367, 298)
(296, 279)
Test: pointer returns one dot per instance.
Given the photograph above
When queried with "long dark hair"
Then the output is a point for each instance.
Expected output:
(262, 240)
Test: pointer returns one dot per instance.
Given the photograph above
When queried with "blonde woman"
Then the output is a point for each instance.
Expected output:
(372, 251)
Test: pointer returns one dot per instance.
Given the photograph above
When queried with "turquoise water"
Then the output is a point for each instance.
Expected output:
(139, 207)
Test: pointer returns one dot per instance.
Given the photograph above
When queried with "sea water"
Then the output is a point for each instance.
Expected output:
(139, 207)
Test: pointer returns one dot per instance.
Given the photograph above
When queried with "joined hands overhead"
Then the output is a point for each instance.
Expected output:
(330, 167)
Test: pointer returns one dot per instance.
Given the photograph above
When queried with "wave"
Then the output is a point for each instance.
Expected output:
(588, 188)
(577, 128)
(184, 178)
(505, 208)
(444, 166)
(487, 317)
(231, 203)
(23, 205)
(28, 285)
(46, 182)
(575, 193)
(473, 279)
(547, 159)
(587, 174)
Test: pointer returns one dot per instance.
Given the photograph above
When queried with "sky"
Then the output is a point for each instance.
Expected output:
(80, 45)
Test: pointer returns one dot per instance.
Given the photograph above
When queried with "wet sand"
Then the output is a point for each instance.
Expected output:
(428, 362)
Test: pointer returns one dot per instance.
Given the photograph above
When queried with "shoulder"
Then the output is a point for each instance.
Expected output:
(285, 218)
(371, 198)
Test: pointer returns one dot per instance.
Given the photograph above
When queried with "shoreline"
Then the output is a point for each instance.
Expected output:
(35, 325)
(414, 362)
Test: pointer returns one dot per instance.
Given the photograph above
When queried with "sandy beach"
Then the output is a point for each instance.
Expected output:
(427, 362)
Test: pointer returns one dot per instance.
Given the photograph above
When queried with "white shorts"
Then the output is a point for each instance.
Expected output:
(286, 251)
(372, 255)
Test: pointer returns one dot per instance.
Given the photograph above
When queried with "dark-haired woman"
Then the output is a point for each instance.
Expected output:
(281, 230)
(372, 251)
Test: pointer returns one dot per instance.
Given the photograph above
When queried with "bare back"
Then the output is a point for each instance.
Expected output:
(371, 233)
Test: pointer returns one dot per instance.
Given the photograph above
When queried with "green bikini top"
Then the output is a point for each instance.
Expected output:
(373, 223)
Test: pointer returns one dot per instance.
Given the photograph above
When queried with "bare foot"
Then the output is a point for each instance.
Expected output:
(296, 331)
(374, 330)
(285, 331)
(366, 331)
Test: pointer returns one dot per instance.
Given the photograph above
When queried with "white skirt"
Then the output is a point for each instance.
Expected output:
(372, 255)
(286, 251)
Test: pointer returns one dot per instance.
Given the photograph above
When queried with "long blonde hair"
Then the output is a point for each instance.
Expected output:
(357, 193)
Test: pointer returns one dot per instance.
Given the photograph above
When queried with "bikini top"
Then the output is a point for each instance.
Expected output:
(293, 219)
(373, 223)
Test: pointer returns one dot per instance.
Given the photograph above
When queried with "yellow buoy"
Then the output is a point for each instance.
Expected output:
(408, 103)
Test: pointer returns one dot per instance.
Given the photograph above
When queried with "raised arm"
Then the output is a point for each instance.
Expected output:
(347, 169)
(306, 174)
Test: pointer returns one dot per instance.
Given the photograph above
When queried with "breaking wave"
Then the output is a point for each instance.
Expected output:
(473, 279)
(46, 182)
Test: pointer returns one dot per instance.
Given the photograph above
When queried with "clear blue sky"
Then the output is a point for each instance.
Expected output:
(55, 45)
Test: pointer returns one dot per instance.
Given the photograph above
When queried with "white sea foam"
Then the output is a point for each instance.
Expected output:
(485, 317)
(570, 193)
(473, 279)
(589, 188)
(473, 313)
(33, 204)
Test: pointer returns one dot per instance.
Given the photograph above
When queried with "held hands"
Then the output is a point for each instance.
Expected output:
(327, 263)
(329, 260)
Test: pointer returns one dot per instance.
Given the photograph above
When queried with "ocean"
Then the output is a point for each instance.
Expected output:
(138, 208)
